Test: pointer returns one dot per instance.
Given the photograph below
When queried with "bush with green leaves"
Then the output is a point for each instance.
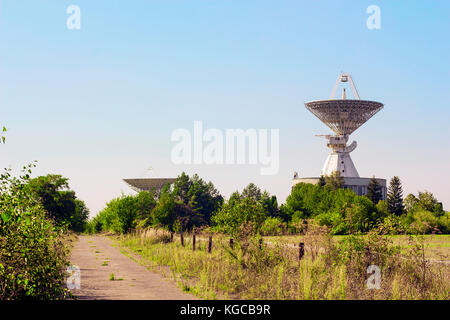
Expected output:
(425, 214)
(393, 225)
(123, 213)
(164, 212)
(189, 203)
(422, 222)
(93, 226)
(119, 214)
(33, 259)
(444, 222)
(235, 212)
(273, 226)
(250, 206)
(341, 210)
(60, 203)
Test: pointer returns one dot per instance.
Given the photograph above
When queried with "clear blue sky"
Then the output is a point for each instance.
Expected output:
(99, 104)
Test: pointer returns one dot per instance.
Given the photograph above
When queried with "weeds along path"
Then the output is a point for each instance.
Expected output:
(107, 274)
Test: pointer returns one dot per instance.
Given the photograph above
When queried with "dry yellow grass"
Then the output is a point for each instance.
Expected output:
(329, 270)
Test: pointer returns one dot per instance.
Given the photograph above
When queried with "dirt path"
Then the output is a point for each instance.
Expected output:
(98, 259)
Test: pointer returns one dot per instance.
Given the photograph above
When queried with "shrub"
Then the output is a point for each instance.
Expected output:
(119, 214)
(273, 227)
(341, 210)
(32, 256)
(422, 222)
(188, 203)
(297, 223)
(93, 226)
(444, 222)
(164, 212)
(234, 214)
(335, 221)
(393, 225)
(250, 206)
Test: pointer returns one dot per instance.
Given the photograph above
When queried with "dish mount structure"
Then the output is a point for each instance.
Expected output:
(343, 116)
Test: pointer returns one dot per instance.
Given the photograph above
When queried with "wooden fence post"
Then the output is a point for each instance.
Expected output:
(301, 250)
(209, 244)
(193, 242)
(368, 257)
(171, 237)
(182, 239)
(231, 243)
(305, 226)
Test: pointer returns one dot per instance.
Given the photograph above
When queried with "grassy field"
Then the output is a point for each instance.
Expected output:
(437, 247)
(332, 267)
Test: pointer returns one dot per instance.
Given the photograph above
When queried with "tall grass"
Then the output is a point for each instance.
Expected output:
(330, 269)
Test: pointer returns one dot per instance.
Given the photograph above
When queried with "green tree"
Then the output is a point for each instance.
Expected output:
(181, 187)
(427, 201)
(309, 199)
(252, 205)
(270, 205)
(374, 191)
(120, 214)
(195, 201)
(164, 213)
(335, 180)
(362, 214)
(410, 202)
(232, 215)
(322, 181)
(341, 210)
(188, 203)
(394, 197)
(60, 203)
(382, 208)
(145, 202)
(204, 198)
(251, 191)
(79, 220)
(424, 201)
(127, 210)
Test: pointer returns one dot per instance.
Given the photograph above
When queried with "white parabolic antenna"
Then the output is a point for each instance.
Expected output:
(343, 117)
(149, 182)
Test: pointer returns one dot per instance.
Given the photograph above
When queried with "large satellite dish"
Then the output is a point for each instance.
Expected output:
(148, 184)
(343, 117)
